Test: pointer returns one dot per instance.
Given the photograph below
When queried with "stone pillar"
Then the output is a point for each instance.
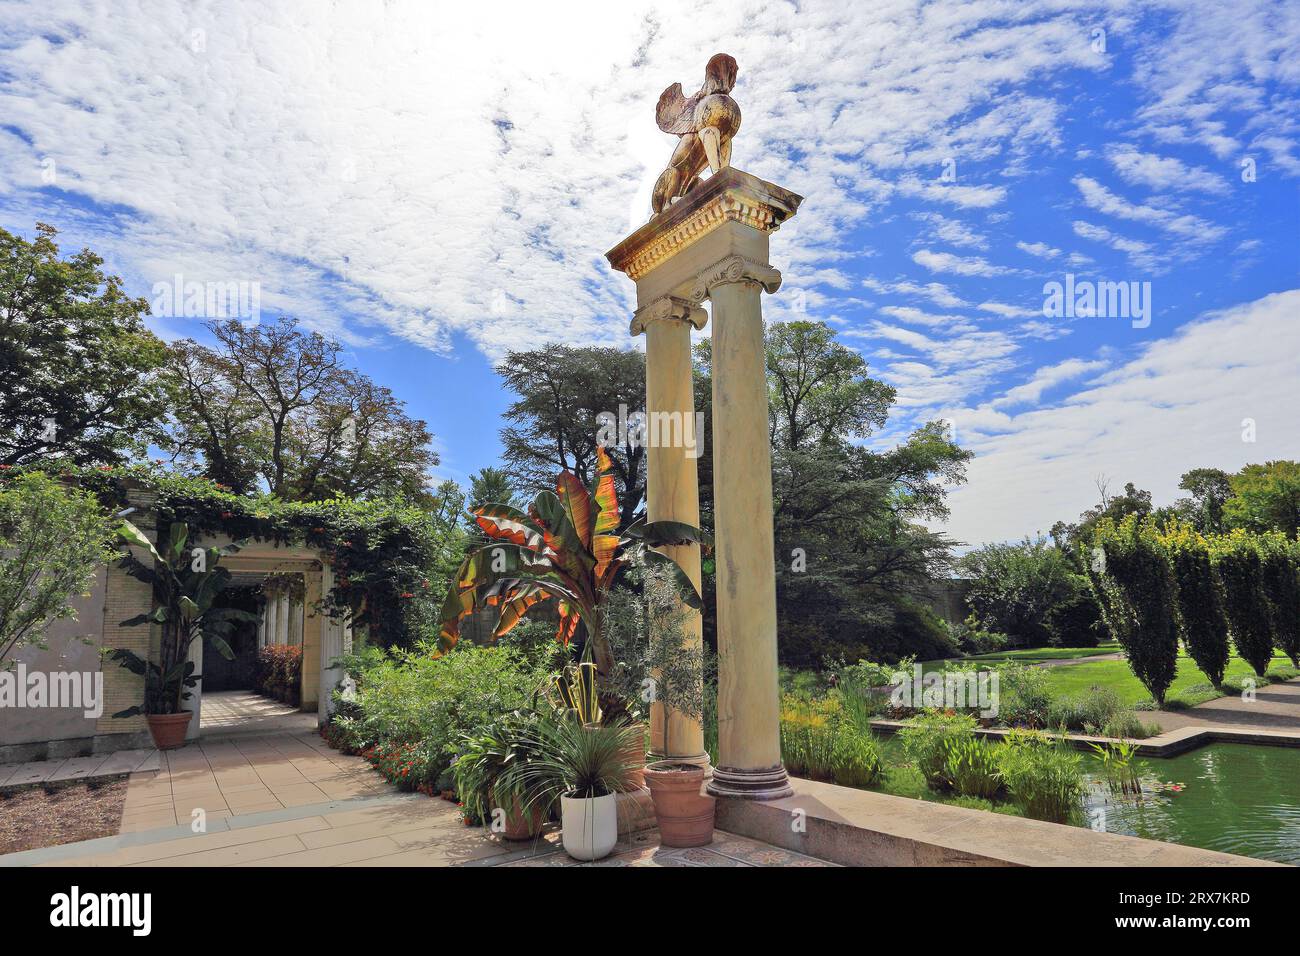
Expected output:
(713, 243)
(749, 721)
(672, 483)
(310, 636)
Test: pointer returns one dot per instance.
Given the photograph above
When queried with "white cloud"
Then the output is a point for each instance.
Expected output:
(1141, 254)
(1179, 404)
(1046, 377)
(1193, 228)
(951, 231)
(1163, 172)
(1040, 249)
(957, 265)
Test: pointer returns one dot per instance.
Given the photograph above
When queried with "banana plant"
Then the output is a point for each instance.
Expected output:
(185, 586)
(566, 547)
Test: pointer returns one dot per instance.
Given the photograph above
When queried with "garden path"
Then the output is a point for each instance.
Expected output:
(290, 800)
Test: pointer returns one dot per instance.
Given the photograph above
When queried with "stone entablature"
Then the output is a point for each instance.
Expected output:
(729, 196)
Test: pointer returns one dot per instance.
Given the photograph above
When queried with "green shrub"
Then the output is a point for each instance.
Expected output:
(1024, 700)
(1281, 579)
(855, 757)
(822, 741)
(808, 735)
(926, 738)
(1043, 777)
(1126, 725)
(862, 686)
(1076, 621)
(1134, 586)
(411, 697)
(1201, 618)
(1015, 587)
(1089, 712)
(971, 638)
(970, 765)
(1237, 560)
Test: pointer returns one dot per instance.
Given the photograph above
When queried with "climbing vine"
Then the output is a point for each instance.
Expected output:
(391, 559)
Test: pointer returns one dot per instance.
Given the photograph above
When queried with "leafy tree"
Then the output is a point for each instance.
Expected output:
(1135, 589)
(1210, 488)
(52, 539)
(1202, 621)
(1237, 560)
(1281, 580)
(1266, 498)
(78, 365)
(1071, 538)
(1014, 588)
(854, 557)
(552, 426)
(274, 407)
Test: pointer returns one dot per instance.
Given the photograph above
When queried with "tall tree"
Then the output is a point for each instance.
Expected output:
(553, 425)
(1266, 498)
(273, 407)
(1210, 490)
(853, 554)
(78, 368)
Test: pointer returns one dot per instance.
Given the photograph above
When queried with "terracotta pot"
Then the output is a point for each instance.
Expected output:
(521, 826)
(169, 729)
(683, 809)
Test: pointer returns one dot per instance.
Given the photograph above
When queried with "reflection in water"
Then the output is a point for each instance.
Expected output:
(1237, 798)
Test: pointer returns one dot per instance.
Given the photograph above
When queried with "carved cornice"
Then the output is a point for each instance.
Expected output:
(729, 196)
(669, 308)
(735, 269)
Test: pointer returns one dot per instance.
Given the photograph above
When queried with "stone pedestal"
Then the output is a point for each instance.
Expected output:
(713, 244)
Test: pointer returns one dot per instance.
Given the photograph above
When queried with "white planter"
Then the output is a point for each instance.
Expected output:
(590, 826)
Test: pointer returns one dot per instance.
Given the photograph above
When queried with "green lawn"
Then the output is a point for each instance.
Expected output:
(1029, 655)
(1190, 686)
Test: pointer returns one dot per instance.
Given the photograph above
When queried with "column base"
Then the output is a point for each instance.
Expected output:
(770, 783)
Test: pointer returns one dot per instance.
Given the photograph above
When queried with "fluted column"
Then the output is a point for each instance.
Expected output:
(749, 729)
(672, 484)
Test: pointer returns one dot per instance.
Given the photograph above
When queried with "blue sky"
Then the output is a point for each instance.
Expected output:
(433, 187)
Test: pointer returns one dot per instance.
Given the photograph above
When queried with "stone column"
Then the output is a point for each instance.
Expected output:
(672, 482)
(749, 728)
(713, 243)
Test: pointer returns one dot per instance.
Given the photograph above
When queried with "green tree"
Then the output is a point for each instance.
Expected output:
(78, 365)
(855, 559)
(1202, 621)
(1016, 588)
(553, 426)
(1135, 589)
(273, 407)
(1281, 580)
(1238, 562)
(1266, 498)
(52, 539)
(1210, 489)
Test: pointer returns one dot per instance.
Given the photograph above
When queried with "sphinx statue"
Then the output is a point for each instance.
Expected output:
(704, 123)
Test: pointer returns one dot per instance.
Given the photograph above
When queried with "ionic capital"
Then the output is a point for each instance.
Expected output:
(668, 308)
(735, 269)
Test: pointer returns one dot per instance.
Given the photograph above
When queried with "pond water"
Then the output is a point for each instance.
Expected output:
(1235, 798)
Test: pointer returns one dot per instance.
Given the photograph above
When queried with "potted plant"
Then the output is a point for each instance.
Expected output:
(486, 783)
(674, 679)
(584, 767)
(185, 583)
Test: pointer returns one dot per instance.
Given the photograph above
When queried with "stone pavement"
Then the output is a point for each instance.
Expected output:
(290, 800)
(1276, 707)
